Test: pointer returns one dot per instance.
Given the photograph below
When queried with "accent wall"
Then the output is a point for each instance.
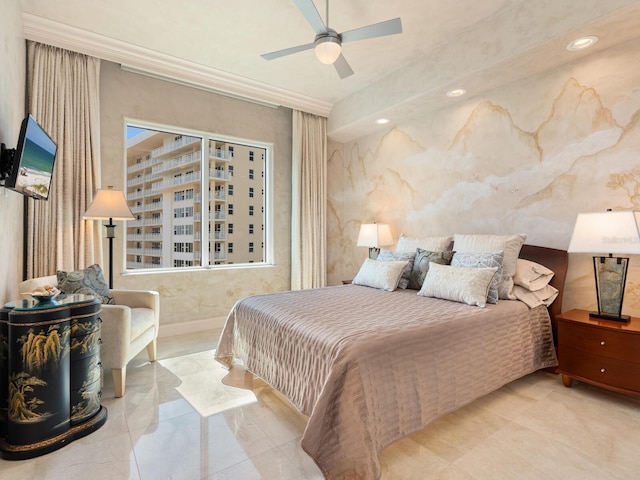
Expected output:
(525, 158)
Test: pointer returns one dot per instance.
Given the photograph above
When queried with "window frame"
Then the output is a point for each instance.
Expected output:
(207, 257)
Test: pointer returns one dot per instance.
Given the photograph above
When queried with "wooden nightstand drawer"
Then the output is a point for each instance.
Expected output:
(600, 369)
(599, 341)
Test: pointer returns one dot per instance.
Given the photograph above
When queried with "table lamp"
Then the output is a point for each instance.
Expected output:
(374, 236)
(608, 232)
(109, 204)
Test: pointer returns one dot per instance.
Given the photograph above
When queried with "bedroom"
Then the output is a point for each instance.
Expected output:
(374, 165)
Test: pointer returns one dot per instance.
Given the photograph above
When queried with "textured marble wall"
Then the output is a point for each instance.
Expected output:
(526, 158)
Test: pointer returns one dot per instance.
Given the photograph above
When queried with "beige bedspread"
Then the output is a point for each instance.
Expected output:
(369, 367)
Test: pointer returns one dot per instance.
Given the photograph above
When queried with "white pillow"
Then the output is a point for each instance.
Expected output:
(433, 244)
(382, 275)
(458, 284)
(408, 257)
(509, 244)
(479, 260)
(531, 275)
(545, 296)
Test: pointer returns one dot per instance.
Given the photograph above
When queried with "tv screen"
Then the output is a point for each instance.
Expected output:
(33, 161)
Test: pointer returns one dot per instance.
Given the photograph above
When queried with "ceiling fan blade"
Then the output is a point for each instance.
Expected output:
(287, 51)
(342, 67)
(308, 9)
(389, 27)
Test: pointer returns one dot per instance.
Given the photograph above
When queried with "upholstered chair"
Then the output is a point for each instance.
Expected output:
(128, 327)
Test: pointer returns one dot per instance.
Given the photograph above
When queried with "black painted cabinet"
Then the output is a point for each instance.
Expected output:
(49, 374)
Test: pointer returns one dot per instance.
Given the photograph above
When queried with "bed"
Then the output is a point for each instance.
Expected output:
(369, 367)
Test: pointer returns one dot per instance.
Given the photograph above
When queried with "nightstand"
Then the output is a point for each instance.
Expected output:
(600, 352)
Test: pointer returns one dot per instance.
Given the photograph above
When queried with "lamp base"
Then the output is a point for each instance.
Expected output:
(605, 316)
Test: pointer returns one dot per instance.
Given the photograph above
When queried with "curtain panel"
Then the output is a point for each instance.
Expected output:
(309, 198)
(63, 97)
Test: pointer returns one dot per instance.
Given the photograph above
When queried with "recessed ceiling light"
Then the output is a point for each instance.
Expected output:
(382, 121)
(582, 43)
(458, 92)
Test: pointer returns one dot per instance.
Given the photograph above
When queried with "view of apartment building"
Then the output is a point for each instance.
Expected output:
(174, 219)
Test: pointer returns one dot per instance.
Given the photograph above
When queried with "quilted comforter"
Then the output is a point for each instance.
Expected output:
(369, 367)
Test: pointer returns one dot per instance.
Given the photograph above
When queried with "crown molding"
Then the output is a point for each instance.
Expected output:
(166, 67)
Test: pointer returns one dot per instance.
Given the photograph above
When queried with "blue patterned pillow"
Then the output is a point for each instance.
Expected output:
(389, 256)
(483, 260)
(89, 281)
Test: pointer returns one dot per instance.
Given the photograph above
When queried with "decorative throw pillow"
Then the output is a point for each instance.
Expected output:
(381, 275)
(458, 284)
(483, 260)
(89, 281)
(433, 244)
(389, 256)
(509, 244)
(531, 275)
(421, 265)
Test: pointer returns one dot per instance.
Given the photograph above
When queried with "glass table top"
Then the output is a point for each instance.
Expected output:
(30, 303)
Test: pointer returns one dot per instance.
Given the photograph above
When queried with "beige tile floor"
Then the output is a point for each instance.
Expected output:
(166, 428)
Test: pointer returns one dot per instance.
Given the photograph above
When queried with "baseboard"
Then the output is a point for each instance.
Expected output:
(180, 328)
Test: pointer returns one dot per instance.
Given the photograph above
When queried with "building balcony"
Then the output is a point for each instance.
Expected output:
(176, 145)
(220, 154)
(191, 158)
(217, 174)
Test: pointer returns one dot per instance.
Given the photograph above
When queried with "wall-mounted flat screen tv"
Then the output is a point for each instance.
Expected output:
(33, 161)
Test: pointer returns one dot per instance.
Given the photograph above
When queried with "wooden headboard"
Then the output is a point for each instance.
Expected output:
(556, 260)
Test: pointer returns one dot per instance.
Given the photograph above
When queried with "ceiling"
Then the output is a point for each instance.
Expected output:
(216, 44)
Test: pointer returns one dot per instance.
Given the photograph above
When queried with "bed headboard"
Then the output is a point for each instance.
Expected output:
(556, 260)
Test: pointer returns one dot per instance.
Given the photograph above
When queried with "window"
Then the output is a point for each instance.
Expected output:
(250, 247)
(182, 181)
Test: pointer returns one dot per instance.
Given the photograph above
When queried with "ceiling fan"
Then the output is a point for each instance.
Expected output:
(328, 42)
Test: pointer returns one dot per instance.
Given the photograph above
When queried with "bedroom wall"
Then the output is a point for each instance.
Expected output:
(526, 158)
(201, 298)
(12, 110)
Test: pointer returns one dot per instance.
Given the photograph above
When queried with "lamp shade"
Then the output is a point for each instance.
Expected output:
(374, 235)
(108, 204)
(606, 232)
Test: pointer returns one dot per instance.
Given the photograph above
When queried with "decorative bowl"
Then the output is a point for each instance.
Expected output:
(44, 298)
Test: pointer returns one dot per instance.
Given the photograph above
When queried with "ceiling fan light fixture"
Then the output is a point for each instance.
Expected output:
(327, 48)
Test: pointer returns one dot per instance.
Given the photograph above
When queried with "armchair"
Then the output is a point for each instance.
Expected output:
(128, 327)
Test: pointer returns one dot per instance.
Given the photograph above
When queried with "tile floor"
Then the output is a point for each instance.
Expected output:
(164, 428)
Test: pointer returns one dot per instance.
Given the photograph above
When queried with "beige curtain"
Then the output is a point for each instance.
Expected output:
(63, 97)
(309, 184)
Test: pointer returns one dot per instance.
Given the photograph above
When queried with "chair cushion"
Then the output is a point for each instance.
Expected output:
(89, 281)
(142, 319)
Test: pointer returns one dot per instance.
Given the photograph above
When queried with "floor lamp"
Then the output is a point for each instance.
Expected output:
(109, 204)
